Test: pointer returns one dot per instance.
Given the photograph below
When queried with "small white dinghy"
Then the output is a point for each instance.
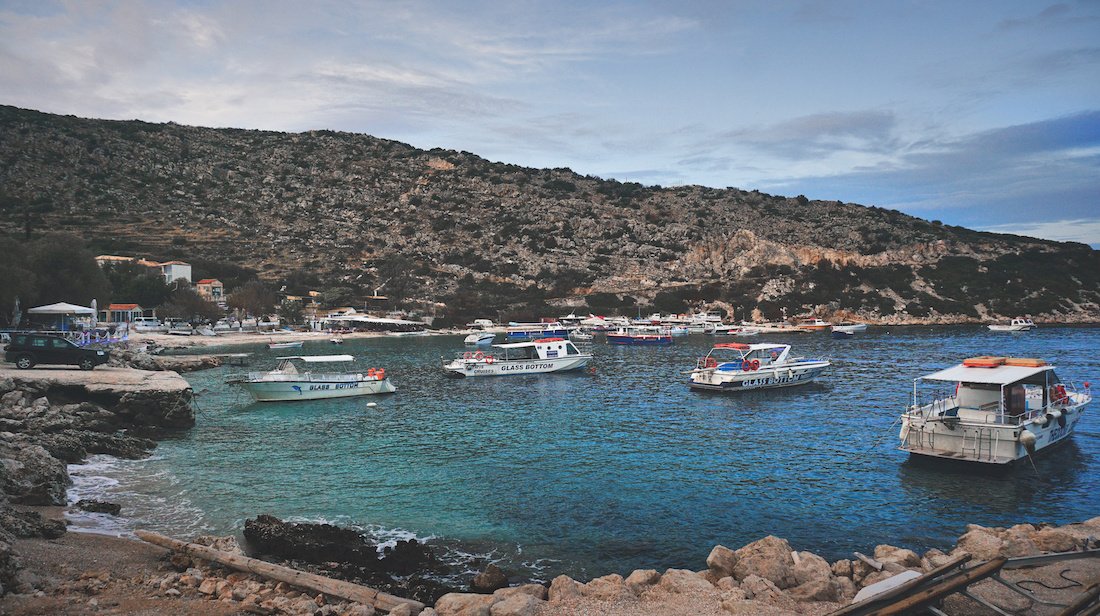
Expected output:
(287, 382)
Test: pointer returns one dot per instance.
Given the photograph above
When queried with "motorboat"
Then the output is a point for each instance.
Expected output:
(479, 338)
(297, 344)
(579, 335)
(1000, 410)
(336, 340)
(522, 332)
(736, 366)
(851, 328)
(535, 357)
(813, 325)
(678, 330)
(288, 382)
(640, 336)
(1019, 324)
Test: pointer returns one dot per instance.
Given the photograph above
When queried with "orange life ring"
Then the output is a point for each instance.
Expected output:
(489, 359)
(756, 364)
(467, 355)
(746, 366)
(479, 355)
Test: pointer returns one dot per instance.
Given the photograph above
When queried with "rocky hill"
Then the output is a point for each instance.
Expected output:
(352, 213)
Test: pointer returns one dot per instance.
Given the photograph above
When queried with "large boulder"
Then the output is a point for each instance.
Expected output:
(900, 556)
(817, 589)
(722, 561)
(684, 582)
(1054, 540)
(29, 475)
(537, 591)
(27, 524)
(516, 605)
(811, 567)
(492, 578)
(315, 543)
(464, 604)
(564, 589)
(641, 580)
(769, 558)
(607, 588)
(761, 589)
(980, 542)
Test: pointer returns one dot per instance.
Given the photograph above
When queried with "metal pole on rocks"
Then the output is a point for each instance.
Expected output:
(336, 588)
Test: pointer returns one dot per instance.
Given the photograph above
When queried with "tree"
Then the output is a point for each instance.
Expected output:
(66, 271)
(291, 311)
(17, 280)
(135, 283)
(185, 303)
(254, 298)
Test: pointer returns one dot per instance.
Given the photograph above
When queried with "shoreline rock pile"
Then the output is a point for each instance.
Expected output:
(42, 429)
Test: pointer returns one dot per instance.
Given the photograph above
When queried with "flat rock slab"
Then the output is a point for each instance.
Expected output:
(104, 379)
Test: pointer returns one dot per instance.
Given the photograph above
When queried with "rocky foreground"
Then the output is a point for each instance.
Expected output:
(50, 418)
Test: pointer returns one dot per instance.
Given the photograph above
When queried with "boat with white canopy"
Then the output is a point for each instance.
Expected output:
(992, 410)
(539, 356)
(289, 382)
(736, 366)
(1019, 324)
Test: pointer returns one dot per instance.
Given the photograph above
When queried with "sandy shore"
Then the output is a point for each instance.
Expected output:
(240, 338)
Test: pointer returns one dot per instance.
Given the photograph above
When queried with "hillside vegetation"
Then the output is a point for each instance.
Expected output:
(352, 213)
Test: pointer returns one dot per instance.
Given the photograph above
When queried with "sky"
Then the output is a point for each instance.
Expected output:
(981, 113)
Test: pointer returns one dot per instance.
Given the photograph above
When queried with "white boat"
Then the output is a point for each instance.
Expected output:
(179, 328)
(147, 325)
(479, 324)
(336, 340)
(1001, 410)
(287, 382)
(479, 338)
(579, 335)
(678, 330)
(851, 328)
(536, 357)
(1019, 324)
(735, 366)
(297, 344)
(813, 325)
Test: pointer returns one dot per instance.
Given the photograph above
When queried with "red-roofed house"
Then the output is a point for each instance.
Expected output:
(123, 313)
(212, 290)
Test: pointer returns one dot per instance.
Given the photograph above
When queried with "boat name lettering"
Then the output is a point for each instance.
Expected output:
(526, 367)
(330, 386)
(769, 381)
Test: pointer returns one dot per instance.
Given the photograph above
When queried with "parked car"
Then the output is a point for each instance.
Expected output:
(27, 350)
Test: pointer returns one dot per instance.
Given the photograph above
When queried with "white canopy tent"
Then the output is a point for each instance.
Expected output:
(62, 308)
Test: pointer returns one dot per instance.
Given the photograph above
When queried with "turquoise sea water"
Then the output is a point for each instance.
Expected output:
(619, 468)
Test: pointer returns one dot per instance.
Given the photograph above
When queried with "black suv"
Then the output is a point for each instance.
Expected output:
(26, 350)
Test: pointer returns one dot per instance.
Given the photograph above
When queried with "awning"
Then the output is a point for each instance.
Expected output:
(61, 308)
(1000, 375)
(320, 358)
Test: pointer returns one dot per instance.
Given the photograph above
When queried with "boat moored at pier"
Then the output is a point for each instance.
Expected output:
(642, 335)
(1000, 410)
(735, 366)
(536, 357)
(287, 382)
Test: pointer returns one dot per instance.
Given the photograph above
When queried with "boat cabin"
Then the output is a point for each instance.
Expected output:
(547, 348)
(992, 390)
(733, 355)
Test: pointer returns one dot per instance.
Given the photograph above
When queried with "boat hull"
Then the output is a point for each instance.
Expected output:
(639, 340)
(983, 443)
(283, 391)
(730, 380)
(460, 368)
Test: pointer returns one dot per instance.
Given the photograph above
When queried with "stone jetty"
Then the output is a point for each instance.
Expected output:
(51, 417)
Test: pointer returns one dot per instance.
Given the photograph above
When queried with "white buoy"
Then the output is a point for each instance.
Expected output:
(370, 404)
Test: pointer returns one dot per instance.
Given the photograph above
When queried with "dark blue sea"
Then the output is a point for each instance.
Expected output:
(618, 468)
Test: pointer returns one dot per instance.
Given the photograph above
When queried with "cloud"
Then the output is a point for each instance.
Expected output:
(1085, 231)
(812, 136)
(1052, 13)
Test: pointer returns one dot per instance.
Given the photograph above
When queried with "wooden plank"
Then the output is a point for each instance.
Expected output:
(863, 606)
(1091, 594)
(876, 565)
(923, 598)
(336, 588)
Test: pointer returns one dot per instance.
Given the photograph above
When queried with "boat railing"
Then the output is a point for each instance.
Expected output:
(305, 376)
